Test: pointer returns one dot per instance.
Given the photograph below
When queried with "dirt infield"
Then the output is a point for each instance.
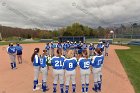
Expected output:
(115, 79)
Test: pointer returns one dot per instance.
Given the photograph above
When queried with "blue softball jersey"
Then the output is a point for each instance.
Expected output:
(68, 45)
(70, 64)
(36, 61)
(84, 63)
(59, 46)
(52, 46)
(47, 47)
(57, 62)
(84, 46)
(97, 61)
(19, 49)
(11, 49)
(43, 61)
(90, 47)
(99, 46)
(64, 47)
(107, 45)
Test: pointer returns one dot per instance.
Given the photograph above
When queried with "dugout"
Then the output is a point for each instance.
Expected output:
(71, 38)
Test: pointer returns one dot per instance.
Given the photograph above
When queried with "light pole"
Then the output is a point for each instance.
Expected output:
(112, 32)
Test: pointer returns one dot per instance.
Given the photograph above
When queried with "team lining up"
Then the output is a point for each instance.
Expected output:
(64, 62)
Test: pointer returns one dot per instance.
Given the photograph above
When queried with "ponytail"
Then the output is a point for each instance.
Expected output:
(85, 54)
(36, 50)
(98, 51)
(59, 52)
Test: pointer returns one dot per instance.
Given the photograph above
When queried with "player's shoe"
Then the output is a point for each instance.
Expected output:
(14, 68)
(94, 90)
(37, 88)
(47, 89)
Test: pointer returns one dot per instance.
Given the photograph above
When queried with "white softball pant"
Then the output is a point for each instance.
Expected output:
(96, 74)
(70, 75)
(44, 74)
(12, 57)
(106, 50)
(85, 76)
(36, 72)
(58, 76)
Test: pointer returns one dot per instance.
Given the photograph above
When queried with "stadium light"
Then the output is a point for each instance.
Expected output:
(112, 32)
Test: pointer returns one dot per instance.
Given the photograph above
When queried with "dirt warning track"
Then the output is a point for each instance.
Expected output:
(115, 79)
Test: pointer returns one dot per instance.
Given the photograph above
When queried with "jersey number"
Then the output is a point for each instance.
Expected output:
(99, 62)
(86, 64)
(70, 65)
(41, 61)
(58, 63)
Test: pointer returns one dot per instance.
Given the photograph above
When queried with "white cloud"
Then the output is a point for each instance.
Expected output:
(59, 13)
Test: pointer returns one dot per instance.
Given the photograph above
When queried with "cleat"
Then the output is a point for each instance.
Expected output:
(47, 89)
(37, 88)
(94, 90)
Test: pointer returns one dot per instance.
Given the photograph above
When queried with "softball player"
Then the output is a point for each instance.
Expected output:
(84, 46)
(96, 63)
(90, 49)
(48, 48)
(36, 63)
(70, 65)
(59, 45)
(11, 50)
(44, 70)
(19, 53)
(52, 49)
(57, 63)
(64, 49)
(106, 48)
(75, 48)
(84, 63)
(68, 45)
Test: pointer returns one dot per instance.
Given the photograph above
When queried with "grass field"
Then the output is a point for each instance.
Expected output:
(131, 62)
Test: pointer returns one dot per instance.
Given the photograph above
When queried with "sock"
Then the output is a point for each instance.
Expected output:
(83, 87)
(74, 87)
(44, 88)
(99, 85)
(54, 87)
(67, 89)
(95, 86)
(12, 66)
(35, 83)
(62, 88)
(87, 87)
